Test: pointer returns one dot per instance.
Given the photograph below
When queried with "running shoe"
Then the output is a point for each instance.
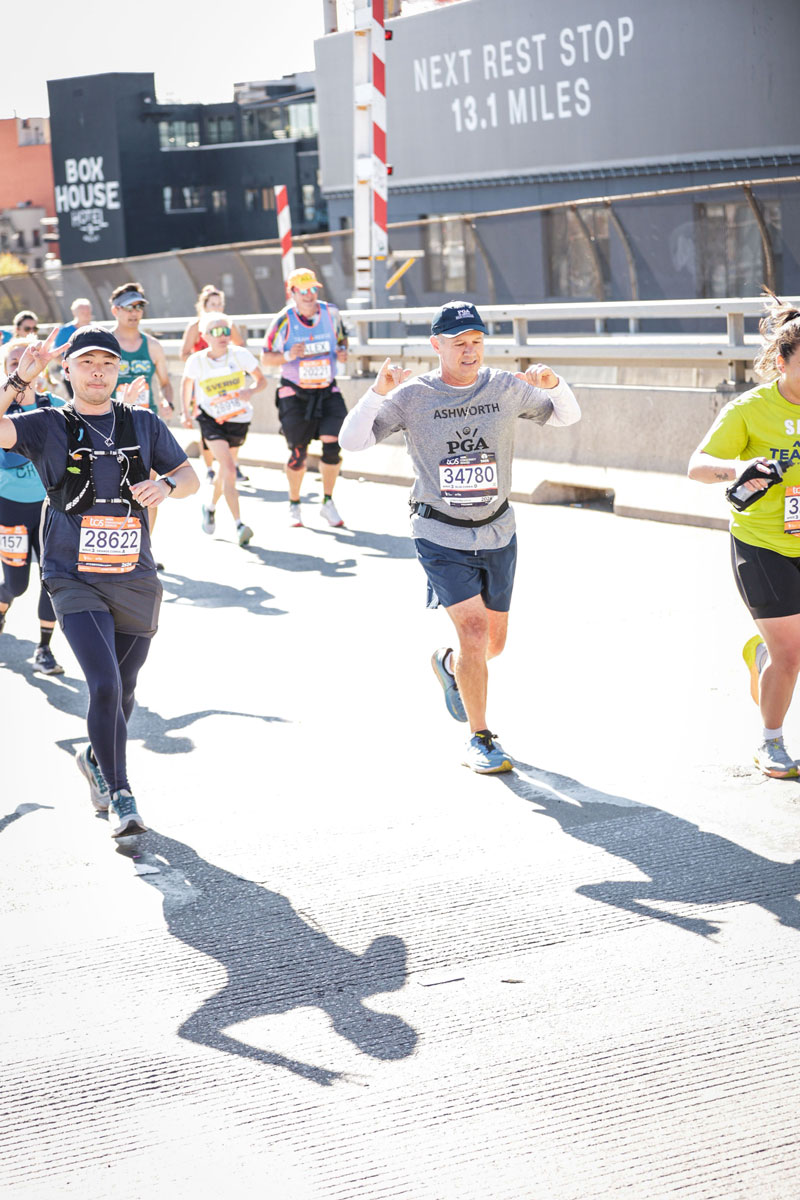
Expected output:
(771, 758)
(754, 661)
(45, 663)
(485, 755)
(241, 477)
(209, 520)
(98, 788)
(452, 696)
(210, 475)
(3, 619)
(328, 510)
(244, 533)
(123, 806)
(295, 516)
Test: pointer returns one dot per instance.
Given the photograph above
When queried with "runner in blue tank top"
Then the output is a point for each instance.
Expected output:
(22, 496)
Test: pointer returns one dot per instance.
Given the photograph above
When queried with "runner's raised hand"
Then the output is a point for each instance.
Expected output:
(390, 376)
(129, 393)
(539, 375)
(39, 355)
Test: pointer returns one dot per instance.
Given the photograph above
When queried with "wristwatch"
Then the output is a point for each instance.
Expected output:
(171, 484)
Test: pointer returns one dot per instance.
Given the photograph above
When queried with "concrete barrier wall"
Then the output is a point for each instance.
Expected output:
(632, 427)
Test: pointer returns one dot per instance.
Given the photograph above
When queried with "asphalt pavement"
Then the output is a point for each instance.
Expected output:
(340, 964)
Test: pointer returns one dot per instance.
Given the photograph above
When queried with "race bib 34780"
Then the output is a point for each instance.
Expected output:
(466, 480)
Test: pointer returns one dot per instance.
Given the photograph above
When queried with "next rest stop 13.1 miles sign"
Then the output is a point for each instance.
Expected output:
(482, 89)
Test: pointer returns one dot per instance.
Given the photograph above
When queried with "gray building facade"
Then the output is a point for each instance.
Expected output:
(494, 106)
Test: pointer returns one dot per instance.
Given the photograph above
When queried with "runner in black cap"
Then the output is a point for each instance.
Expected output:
(94, 457)
(459, 423)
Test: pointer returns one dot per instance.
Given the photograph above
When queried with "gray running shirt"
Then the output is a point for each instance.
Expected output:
(461, 443)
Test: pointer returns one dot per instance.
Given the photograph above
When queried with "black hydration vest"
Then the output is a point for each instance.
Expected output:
(76, 492)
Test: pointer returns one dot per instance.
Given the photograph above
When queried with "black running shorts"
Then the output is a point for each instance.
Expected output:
(768, 582)
(306, 414)
(232, 432)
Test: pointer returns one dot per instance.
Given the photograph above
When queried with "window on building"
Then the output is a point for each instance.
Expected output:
(309, 202)
(449, 255)
(302, 120)
(571, 264)
(220, 129)
(730, 253)
(172, 134)
(36, 237)
(219, 200)
(183, 199)
(266, 121)
(259, 199)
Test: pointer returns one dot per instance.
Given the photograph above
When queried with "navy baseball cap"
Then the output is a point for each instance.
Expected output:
(456, 317)
(92, 337)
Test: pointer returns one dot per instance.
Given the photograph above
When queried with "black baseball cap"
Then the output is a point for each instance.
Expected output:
(92, 337)
(456, 317)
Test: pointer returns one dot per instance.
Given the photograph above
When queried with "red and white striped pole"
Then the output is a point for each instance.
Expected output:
(284, 230)
(380, 239)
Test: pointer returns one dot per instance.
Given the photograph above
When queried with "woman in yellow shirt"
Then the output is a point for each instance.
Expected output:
(758, 434)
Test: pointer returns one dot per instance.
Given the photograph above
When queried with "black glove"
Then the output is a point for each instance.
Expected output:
(741, 497)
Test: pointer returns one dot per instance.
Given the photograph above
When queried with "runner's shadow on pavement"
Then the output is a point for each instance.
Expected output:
(156, 733)
(21, 810)
(685, 865)
(286, 561)
(66, 694)
(202, 593)
(384, 545)
(276, 961)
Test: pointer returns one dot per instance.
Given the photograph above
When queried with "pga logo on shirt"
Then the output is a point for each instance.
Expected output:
(466, 441)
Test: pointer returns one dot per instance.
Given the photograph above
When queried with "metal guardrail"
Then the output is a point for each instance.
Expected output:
(521, 345)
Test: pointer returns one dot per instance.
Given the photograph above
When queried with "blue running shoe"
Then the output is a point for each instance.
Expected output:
(98, 788)
(452, 696)
(485, 755)
(123, 807)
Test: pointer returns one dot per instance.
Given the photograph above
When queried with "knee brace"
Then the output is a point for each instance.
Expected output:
(297, 459)
(331, 453)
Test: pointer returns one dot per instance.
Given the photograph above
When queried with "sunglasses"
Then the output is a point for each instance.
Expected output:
(305, 291)
(220, 331)
(137, 307)
(29, 328)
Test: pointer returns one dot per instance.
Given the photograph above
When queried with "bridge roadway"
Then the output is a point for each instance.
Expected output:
(341, 965)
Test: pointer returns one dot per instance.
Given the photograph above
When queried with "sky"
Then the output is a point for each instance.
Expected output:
(195, 54)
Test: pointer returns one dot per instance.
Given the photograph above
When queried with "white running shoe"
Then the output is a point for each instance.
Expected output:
(772, 759)
(328, 511)
(295, 516)
(209, 520)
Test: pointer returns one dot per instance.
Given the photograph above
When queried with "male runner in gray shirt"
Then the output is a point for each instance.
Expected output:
(459, 425)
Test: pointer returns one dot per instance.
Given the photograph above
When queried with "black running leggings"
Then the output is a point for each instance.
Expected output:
(110, 662)
(15, 579)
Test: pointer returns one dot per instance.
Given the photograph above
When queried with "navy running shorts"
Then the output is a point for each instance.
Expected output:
(456, 575)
